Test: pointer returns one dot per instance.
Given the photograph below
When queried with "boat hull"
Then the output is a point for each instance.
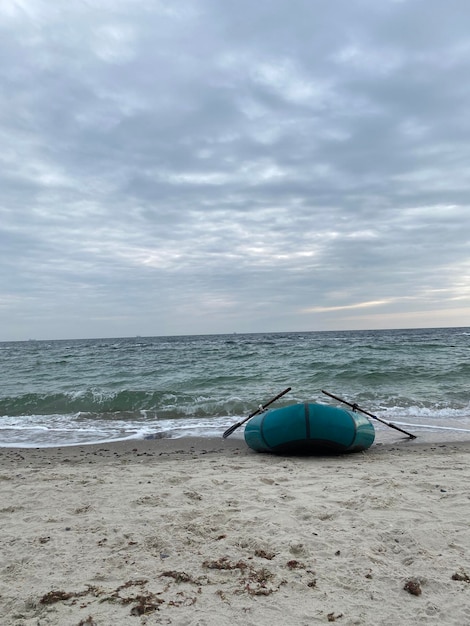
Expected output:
(309, 428)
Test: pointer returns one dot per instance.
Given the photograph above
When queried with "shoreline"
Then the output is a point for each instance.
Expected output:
(385, 438)
(205, 532)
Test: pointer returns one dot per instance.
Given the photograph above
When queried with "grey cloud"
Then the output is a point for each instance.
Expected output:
(209, 167)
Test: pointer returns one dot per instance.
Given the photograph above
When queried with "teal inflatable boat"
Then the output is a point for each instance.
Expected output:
(309, 428)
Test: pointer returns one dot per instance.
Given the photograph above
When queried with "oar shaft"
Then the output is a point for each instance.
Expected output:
(234, 427)
(279, 395)
(358, 408)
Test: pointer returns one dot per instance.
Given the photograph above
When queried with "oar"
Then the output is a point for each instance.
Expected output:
(234, 427)
(358, 408)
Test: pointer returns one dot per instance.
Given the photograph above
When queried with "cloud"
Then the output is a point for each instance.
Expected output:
(188, 167)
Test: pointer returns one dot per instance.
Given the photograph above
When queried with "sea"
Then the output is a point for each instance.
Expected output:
(68, 392)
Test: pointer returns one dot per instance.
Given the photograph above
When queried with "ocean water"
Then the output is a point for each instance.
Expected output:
(56, 393)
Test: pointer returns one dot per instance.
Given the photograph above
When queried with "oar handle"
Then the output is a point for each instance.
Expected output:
(260, 409)
(355, 407)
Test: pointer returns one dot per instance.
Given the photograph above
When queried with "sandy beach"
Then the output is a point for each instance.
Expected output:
(205, 531)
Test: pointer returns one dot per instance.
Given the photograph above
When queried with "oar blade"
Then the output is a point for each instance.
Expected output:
(231, 430)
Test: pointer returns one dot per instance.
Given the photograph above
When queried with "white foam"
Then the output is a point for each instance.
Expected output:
(66, 430)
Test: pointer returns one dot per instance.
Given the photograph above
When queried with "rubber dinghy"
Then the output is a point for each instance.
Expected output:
(309, 428)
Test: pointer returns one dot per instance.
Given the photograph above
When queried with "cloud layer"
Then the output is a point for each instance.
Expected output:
(202, 166)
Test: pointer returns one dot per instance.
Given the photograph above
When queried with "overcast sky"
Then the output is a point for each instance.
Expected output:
(208, 166)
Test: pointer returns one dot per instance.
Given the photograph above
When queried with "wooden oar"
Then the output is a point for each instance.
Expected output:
(234, 427)
(358, 408)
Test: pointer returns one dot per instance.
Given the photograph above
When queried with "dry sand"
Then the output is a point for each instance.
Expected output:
(207, 532)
